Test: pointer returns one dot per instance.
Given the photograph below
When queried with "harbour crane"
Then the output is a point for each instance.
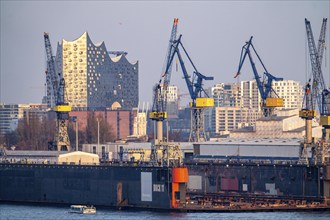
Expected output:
(62, 108)
(171, 151)
(158, 112)
(199, 97)
(269, 99)
(320, 93)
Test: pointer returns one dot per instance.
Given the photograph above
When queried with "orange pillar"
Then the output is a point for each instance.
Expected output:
(179, 177)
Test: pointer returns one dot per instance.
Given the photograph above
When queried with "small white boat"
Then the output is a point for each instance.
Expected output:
(82, 209)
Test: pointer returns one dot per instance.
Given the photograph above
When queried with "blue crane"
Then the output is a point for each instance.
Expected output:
(198, 95)
(267, 93)
(194, 84)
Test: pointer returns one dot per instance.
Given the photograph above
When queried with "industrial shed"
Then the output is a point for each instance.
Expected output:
(250, 147)
(78, 157)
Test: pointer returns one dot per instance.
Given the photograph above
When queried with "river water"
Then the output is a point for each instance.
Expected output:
(34, 212)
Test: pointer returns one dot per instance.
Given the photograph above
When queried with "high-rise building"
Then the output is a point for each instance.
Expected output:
(172, 93)
(172, 107)
(290, 91)
(226, 94)
(10, 114)
(93, 79)
(227, 119)
(8, 118)
(238, 105)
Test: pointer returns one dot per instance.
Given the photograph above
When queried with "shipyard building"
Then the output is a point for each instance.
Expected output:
(93, 79)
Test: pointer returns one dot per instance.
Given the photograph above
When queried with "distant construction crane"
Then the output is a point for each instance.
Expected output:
(270, 100)
(62, 108)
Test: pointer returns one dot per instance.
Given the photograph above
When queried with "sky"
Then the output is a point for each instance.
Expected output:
(213, 33)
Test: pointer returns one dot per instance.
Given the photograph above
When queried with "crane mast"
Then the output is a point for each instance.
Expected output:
(62, 109)
(269, 98)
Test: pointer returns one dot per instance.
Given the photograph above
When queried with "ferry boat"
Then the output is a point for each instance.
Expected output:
(82, 209)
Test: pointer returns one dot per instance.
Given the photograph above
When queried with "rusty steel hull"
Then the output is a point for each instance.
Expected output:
(259, 179)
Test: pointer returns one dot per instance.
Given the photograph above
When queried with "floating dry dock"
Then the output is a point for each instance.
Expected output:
(200, 184)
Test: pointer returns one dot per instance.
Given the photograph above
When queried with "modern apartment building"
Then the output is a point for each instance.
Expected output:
(226, 94)
(238, 105)
(289, 90)
(172, 93)
(250, 95)
(227, 119)
(93, 79)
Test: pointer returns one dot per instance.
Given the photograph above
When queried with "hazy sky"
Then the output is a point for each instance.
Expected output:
(213, 34)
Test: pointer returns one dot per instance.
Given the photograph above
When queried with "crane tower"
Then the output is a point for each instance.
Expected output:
(320, 93)
(62, 108)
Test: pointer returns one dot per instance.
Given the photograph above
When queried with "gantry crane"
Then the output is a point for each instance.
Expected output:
(269, 98)
(61, 107)
(320, 93)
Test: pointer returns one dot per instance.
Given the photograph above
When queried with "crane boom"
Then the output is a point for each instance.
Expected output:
(52, 78)
(321, 43)
(195, 87)
(265, 85)
(168, 63)
(318, 84)
(195, 84)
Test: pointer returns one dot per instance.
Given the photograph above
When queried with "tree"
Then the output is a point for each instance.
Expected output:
(34, 132)
(11, 139)
(95, 122)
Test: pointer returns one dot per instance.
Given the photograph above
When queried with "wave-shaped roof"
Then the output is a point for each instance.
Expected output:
(100, 44)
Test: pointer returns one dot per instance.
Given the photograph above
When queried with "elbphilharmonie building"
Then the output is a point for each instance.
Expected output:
(93, 79)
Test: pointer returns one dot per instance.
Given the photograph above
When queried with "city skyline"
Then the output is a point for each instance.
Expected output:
(213, 34)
